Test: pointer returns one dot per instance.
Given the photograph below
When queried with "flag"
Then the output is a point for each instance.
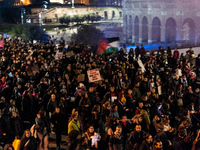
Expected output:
(109, 45)
(1, 43)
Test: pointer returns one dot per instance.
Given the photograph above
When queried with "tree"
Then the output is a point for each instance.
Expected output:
(92, 18)
(76, 19)
(87, 17)
(62, 20)
(87, 34)
(67, 20)
(28, 32)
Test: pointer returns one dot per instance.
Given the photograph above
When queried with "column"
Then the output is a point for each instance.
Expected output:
(196, 36)
(125, 28)
(162, 34)
(178, 34)
(140, 33)
(149, 33)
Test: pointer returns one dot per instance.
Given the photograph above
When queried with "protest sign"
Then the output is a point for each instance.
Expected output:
(94, 75)
(69, 54)
(81, 77)
(58, 55)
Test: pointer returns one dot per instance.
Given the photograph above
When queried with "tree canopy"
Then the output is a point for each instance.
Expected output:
(27, 32)
(88, 34)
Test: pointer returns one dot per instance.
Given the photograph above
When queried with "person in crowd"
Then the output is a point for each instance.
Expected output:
(135, 139)
(83, 144)
(92, 137)
(28, 141)
(116, 140)
(74, 124)
(57, 119)
(146, 143)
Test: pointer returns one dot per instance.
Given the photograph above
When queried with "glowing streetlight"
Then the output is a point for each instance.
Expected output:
(73, 4)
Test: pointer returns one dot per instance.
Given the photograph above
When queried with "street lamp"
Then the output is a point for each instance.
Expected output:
(23, 12)
(73, 4)
(45, 3)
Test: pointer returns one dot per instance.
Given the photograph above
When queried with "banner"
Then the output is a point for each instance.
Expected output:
(1, 43)
(58, 55)
(94, 75)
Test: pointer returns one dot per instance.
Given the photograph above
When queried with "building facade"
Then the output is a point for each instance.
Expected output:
(155, 21)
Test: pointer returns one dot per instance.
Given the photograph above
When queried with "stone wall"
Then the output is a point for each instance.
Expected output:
(55, 13)
(161, 21)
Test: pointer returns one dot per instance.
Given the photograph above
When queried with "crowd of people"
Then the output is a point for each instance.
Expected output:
(152, 104)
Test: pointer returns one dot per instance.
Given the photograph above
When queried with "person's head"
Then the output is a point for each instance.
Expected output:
(8, 147)
(140, 119)
(158, 145)
(157, 117)
(112, 89)
(119, 129)
(114, 108)
(96, 108)
(179, 87)
(124, 118)
(181, 130)
(53, 97)
(27, 133)
(148, 92)
(74, 117)
(86, 95)
(145, 78)
(57, 110)
(137, 84)
(189, 88)
(138, 128)
(83, 141)
(140, 105)
(153, 90)
(148, 138)
(91, 89)
(197, 90)
(91, 129)
(130, 91)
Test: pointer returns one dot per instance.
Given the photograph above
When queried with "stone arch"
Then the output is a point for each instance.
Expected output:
(170, 30)
(105, 15)
(136, 29)
(113, 14)
(144, 29)
(188, 30)
(129, 29)
(156, 30)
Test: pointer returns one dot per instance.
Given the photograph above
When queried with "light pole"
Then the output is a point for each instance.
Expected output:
(73, 4)
(23, 12)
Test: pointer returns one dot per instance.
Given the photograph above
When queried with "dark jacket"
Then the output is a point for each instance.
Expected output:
(31, 145)
(144, 146)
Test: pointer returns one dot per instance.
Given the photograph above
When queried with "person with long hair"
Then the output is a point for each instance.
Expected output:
(28, 142)
(93, 138)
